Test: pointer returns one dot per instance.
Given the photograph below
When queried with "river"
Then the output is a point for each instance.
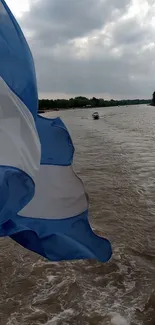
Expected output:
(115, 157)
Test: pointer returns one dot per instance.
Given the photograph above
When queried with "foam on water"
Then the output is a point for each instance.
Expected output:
(61, 318)
(117, 319)
(51, 278)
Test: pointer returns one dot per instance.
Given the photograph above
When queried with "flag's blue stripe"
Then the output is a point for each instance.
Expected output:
(56, 144)
(16, 61)
(65, 239)
(16, 190)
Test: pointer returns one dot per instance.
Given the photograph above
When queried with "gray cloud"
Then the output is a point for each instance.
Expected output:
(130, 32)
(91, 47)
(54, 21)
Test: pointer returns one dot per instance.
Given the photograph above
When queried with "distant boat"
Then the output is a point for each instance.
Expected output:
(95, 116)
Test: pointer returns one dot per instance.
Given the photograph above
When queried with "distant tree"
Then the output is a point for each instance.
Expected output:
(153, 99)
(95, 102)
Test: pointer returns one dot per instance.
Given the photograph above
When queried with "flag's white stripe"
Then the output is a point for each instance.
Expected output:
(59, 193)
(19, 141)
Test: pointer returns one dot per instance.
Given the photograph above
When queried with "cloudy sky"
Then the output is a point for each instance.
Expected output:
(102, 48)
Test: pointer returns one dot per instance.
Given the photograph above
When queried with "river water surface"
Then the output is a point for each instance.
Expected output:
(115, 157)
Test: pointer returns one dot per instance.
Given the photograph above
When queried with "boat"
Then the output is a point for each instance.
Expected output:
(95, 116)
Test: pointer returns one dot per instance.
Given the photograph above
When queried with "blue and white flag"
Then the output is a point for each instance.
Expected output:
(16, 61)
(54, 223)
(19, 142)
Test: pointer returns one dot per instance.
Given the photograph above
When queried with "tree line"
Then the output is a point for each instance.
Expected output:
(84, 102)
(153, 99)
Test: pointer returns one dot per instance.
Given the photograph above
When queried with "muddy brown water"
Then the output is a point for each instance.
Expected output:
(115, 157)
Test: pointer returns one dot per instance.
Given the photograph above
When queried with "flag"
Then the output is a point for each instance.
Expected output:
(51, 220)
(20, 150)
(55, 223)
(16, 61)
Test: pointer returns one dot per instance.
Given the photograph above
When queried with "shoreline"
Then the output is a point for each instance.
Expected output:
(41, 111)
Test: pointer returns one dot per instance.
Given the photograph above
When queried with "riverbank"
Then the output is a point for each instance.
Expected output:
(45, 110)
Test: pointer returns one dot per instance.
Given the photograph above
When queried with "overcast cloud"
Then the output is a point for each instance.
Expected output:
(103, 48)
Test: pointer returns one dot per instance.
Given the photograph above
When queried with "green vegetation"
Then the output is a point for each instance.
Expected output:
(83, 102)
(153, 99)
